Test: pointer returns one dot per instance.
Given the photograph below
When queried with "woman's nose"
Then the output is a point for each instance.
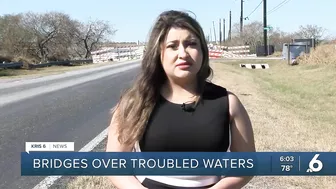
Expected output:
(182, 52)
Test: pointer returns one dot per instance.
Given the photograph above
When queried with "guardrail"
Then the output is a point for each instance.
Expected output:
(53, 63)
(12, 65)
(244, 49)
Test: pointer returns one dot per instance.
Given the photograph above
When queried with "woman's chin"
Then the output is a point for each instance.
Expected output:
(184, 74)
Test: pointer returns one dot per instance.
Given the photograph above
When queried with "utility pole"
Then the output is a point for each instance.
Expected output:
(213, 23)
(241, 16)
(220, 32)
(230, 26)
(265, 28)
(223, 30)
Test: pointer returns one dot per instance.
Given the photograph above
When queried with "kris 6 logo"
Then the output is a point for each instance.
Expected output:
(312, 164)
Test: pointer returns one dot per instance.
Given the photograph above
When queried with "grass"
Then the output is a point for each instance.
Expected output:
(303, 88)
(89, 182)
(291, 109)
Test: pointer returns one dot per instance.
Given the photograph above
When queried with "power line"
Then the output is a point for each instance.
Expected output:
(254, 10)
(278, 6)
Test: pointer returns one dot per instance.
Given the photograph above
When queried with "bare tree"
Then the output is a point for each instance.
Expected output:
(278, 38)
(45, 28)
(311, 31)
(252, 35)
(90, 34)
(61, 47)
(14, 38)
(50, 36)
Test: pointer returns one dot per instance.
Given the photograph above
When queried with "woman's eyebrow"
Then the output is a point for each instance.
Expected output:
(187, 39)
(192, 37)
(172, 41)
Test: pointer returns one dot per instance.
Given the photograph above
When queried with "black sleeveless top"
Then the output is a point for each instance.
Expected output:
(206, 129)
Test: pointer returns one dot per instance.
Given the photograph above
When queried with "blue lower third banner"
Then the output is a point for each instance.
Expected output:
(176, 163)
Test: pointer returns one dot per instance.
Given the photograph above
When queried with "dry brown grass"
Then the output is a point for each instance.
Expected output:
(291, 109)
(323, 54)
(90, 182)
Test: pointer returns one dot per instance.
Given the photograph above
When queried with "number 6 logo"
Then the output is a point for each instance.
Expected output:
(314, 161)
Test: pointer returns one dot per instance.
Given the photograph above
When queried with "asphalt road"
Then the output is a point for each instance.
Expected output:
(8, 90)
(77, 113)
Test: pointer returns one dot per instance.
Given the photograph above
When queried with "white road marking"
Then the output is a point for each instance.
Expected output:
(50, 180)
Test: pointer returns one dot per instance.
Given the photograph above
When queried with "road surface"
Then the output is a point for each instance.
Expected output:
(76, 113)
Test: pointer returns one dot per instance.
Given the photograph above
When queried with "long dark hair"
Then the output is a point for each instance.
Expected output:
(137, 103)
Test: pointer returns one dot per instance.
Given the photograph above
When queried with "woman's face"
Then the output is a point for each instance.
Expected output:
(181, 54)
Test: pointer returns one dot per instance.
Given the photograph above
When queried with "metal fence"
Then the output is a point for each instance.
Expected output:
(12, 65)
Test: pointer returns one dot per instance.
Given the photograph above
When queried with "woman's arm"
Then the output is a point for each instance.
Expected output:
(242, 140)
(113, 145)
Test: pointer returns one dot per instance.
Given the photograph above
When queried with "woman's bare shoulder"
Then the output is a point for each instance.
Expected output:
(235, 104)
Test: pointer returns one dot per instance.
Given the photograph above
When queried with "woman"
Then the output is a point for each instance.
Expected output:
(172, 107)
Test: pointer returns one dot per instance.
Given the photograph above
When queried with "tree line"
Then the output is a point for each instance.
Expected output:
(41, 37)
(253, 35)
(50, 36)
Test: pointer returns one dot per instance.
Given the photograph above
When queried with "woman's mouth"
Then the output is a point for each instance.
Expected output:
(183, 65)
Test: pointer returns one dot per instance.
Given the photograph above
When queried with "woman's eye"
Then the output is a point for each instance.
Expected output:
(193, 43)
(172, 46)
